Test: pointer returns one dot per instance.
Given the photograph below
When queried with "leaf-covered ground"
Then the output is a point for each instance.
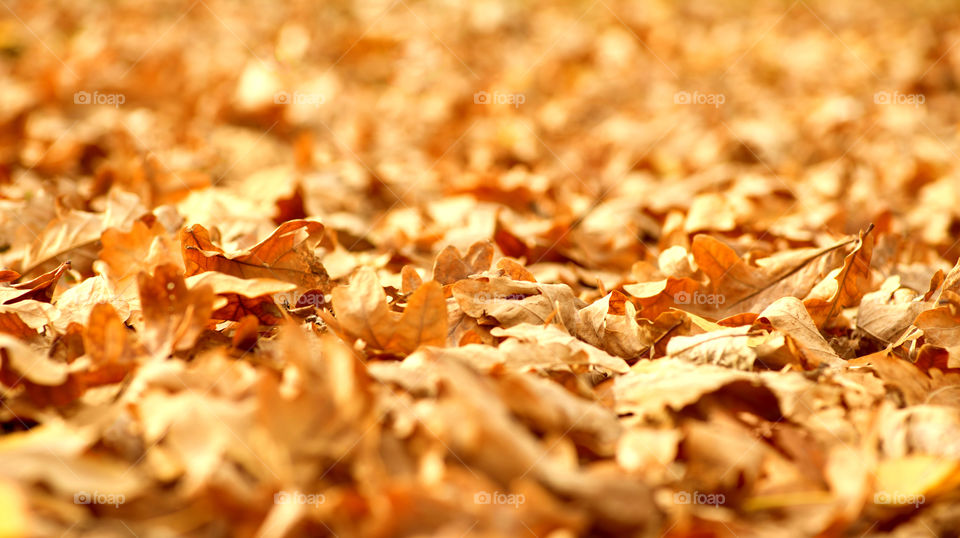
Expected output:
(488, 268)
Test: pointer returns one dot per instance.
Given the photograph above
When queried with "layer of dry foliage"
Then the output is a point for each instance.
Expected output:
(283, 269)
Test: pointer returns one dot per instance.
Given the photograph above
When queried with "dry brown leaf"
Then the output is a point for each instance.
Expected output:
(544, 347)
(655, 298)
(653, 388)
(38, 289)
(736, 287)
(111, 347)
(499, 300)
(610, 324)
(411, 280)
(886, 314)
(73, 229)
(549, 409)
(941, 325)
(246, 296)
(21, 362)
(361, 309)
(142, 248)
(288, 255)
(733, 347)
(362, 314)
(75, 304)
(910, 383)
(26, 317)
(450, 266)
(845, 286)
(423, 322)
(789, 316)
(173, 316)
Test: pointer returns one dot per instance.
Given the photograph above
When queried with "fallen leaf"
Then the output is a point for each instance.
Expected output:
(173, 315)
(510, 302)
(451, 266)
(38, 289)
(845, 286)
(288, 255)
(789, 316)
(533, 346)
(423, 322)
(362, 314)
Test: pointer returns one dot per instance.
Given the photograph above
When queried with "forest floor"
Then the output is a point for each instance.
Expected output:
(489, 268)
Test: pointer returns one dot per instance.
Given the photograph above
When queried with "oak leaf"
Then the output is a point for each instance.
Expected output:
(173, 315)
(547, 347)
(74, 229)
(75, 304)
(287, 254)
(245, 296)
(886, 314)
(40, 288)
(610, 324)
(789, 316)
(845, 286)
(362, 314)
(509, 302)
(450, 266)
(25, 318)
(111, 347)
(141, 248)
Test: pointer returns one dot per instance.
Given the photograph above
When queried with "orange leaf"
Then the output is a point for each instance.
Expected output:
(110, 345)
(142, 248)
(450, 266)
(173, 316)
(288, 255)
(852, 281)
(361, 309)
(38, 289)
(423, 323)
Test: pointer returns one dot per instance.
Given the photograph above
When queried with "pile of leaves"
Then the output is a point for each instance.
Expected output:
(494, 268)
